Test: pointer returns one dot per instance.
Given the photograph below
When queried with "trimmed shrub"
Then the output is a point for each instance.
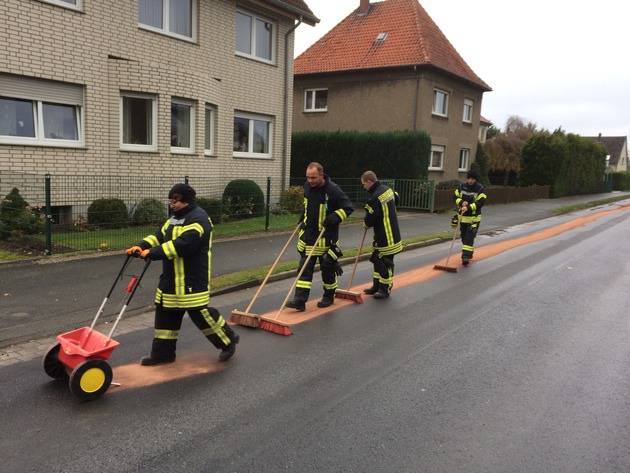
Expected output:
(213, 207)
(149, 212)
(18, 217)
(292, 199)
(243, 198)
(108, 213)
(448, 185)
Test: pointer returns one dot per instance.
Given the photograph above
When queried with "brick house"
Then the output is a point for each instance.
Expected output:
(168, 88)
(387, 66)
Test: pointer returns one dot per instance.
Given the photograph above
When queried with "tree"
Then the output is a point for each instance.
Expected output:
(504, 148)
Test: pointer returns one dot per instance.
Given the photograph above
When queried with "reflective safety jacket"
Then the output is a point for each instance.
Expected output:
(184, 245)
(320, 202)
(475, 195)
(380, 214)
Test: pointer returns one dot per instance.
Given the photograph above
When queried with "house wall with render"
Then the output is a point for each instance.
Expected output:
(394, 99)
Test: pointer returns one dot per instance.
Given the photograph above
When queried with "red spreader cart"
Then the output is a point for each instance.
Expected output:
(81, 355)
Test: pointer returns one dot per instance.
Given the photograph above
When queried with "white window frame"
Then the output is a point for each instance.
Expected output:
(40, 93)
(312, 94)
(71, 4)
(253, 43)
(440, 102)
(165, 22)
(441, 150)
(148, 148)
(191, 136)
(468, 111)
(464, 159)
(270, 129)
(209, 130)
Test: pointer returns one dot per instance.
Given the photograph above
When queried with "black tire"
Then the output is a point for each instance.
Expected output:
(52, 366)
(90, 379)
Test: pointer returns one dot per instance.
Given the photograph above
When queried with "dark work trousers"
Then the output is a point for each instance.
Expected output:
(169, 321)
(304, 284)
(383, 276)
(468, 234)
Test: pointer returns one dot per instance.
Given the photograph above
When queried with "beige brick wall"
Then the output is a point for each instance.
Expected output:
(103, 49)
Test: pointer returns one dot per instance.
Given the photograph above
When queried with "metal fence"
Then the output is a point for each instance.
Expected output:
(58, 218)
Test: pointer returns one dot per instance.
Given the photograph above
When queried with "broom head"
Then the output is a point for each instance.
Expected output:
(450, 269)
(274, 326)
(350, 295)
(245, 318)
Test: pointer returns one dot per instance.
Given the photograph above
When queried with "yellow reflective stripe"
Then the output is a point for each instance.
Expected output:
(467, 247)
(369, 209)
(387, 226)
(185, 301)
(152, 240)
(331, 286)
(169, 250)
(471, 219)
(304, 284)
(342, 214)
(166, 334)
(321, 217)
(391, 250)
(179, 275)
(215, 328)
(386, 196)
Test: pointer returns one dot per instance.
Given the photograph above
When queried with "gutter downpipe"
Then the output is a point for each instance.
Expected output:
(283, 181)
(415, 100)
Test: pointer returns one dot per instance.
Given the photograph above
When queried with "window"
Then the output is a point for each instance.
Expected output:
(209, 130)
(138, 131)
(464, 155)
(440, 103)
(468, 111)
(254, 37)
(437, 158)
(39, 112)
(74, 4)
(252, 135)
(182, 127)
(172, 17)
(316, 100)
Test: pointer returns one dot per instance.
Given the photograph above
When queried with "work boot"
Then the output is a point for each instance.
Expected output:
(465, 260)
(298, 305)
(380, 294)
(326, 301)
(153, 361)
(371, 290)
(229, 350)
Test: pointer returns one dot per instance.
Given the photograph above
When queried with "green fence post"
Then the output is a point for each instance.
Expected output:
(185, 179)
(48, 250)
(268, 206)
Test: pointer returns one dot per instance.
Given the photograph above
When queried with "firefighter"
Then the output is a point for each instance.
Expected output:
(380, 214)
(184, 245)
(469, 198)
(325, 206)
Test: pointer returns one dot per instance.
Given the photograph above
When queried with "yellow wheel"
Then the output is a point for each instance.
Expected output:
(90, 379)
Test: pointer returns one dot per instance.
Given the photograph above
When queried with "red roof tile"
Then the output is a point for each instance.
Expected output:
(412, 38)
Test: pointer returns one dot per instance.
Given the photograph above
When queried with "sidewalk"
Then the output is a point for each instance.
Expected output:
(39, 299)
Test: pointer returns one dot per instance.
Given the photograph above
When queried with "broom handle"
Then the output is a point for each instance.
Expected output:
(459, 218)
(310, 253)
(356, 261)
(273, 266)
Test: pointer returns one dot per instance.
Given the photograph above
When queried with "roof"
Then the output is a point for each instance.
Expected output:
(411, 37)
(613, 144)
(298, 8)
(484, 121)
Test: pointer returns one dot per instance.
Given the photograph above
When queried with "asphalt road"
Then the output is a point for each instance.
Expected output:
(517, 363)
(54, 295)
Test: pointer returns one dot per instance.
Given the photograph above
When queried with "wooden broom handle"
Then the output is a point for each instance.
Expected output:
(310, 253)
(356, 261)
(273, 266)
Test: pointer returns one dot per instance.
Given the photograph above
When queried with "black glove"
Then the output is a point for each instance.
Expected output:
(454, 221)
(331, 220)
(330, 263)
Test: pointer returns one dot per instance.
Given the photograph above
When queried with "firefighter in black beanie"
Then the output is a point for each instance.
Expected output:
(184, 245)
(469, 198)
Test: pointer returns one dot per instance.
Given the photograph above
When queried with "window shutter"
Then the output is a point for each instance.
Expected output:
(29, 88)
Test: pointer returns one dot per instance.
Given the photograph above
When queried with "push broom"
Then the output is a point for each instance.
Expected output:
(348, 294)
(274, 325)
(446, 267)
(252, 320)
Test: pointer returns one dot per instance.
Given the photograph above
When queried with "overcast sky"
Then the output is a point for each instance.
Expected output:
(556, 63)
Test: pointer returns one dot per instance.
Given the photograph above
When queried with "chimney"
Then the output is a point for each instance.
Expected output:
(364, 6)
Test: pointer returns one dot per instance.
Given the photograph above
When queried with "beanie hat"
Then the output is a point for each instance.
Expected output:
(183, 193)
(472, 174)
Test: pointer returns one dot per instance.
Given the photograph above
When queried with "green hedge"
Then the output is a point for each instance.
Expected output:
(621, 181)
(347, 154)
